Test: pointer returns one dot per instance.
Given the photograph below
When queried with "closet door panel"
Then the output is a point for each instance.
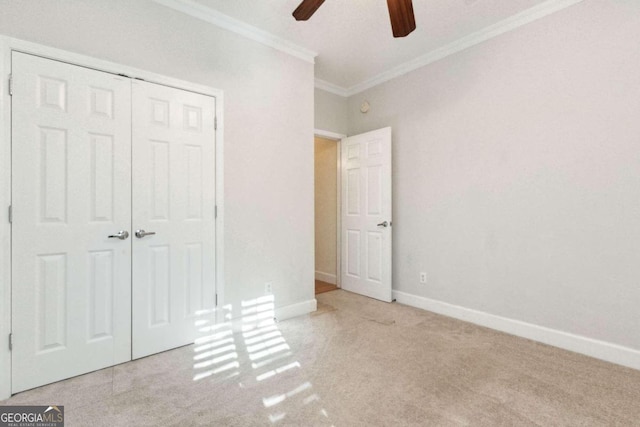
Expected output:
(71, 189)
(174, 198)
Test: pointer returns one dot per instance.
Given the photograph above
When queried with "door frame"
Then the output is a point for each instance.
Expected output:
(337, 137)
(7, 45)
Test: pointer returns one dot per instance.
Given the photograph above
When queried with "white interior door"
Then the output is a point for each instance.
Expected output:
(71, 189)
(173, 197)
(366, 214)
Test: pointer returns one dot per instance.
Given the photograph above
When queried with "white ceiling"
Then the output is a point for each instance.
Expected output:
(353, 38)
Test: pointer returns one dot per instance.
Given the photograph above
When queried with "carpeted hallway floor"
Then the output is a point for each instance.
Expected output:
(355, 362)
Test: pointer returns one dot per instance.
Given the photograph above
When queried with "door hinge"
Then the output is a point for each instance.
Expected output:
(10, 214)
(216, 300)
(10, 84)
(10, 342)
(215, 211)
(215, 123)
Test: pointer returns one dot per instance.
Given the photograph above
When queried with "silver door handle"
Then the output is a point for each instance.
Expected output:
(383, 224)
(141, 233)
(122, 235)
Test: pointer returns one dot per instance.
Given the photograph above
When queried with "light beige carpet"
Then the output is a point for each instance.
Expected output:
(356, 362)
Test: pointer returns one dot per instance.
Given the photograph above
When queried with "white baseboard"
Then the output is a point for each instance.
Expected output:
(268, 317)
(326, 277)
(294, 310)
(603, 350)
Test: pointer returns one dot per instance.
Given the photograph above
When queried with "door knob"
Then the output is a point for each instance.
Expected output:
(383, 224)
(141, 233)
(122, 235)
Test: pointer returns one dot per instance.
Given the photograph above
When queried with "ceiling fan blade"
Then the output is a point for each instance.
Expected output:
(403, 21)
(306, 9)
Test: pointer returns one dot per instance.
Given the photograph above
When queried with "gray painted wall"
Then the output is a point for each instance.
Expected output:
(330, 112)
(268, 123)
(517, 173)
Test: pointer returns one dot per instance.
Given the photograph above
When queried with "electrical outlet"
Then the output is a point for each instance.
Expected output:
(268, 288)
(423, 278)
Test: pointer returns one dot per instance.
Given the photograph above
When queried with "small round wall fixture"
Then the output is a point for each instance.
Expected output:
(364, 107)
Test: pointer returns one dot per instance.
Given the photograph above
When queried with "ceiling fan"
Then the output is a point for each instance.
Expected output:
(403, 21)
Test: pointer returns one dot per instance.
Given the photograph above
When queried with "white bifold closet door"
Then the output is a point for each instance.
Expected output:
(113, 233)
(173, 197)
(71, 189)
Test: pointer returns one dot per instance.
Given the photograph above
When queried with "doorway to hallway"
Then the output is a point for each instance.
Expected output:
(327, 213)
(353, 209)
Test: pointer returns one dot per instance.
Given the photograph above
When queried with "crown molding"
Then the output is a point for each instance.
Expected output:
(516, 21)
(332, 88)
(197, 10)
(207, 14)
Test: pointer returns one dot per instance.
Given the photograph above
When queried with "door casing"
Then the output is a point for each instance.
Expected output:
(7, 45)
